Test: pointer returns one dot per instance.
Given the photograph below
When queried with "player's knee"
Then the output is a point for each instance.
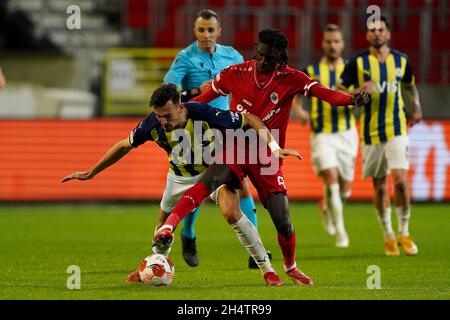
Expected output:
(400, 187)
(381, 190)
(232, 215)
(285, 228)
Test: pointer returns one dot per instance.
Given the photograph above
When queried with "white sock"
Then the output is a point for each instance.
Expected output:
(249, 238)
(403, 215)
(345, 195)
(335, 206)
(386, 224)
(166, 226)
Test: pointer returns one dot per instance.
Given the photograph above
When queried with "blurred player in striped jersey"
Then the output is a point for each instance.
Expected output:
(334, 140)
(380, 70)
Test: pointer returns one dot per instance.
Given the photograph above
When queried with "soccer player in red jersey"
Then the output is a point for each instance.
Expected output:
(265, 87)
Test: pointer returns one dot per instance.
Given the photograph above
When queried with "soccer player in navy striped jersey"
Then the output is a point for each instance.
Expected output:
(386, 74)
(334, 140)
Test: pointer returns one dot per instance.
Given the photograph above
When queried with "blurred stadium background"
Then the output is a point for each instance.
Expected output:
(71, 94)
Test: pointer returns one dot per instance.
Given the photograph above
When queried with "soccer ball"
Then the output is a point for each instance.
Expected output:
(157, 270)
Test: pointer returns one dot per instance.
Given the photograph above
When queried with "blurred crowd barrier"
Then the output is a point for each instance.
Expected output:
(37, 154)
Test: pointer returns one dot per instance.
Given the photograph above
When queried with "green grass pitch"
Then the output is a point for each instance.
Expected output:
(39, 242)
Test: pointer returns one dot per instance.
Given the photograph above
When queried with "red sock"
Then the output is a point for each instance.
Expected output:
(288, 249)
(190, 200)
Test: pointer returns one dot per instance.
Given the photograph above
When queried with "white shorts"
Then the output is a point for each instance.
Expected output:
(335, 150)
(175, 187)
(380, 159)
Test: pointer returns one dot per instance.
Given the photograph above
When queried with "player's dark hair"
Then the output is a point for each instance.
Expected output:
(276, 39)
(331, 27)
(163, 94)
(382, 18)
(207, 14)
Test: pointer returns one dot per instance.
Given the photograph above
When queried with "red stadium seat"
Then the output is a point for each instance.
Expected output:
(256, 3)
(172, 5)
(405, 40)
(245, 39)
(416, 3)
(217, 3)
(434, 74)
(296, 3)
(137, 13)
(164, 38)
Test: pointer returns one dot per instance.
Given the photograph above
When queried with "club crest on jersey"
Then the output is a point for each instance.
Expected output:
(398, 72)
(274, 97)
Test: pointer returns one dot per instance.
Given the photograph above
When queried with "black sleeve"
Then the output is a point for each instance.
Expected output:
(349, 76)
(216, 118)
(142, 132)
(408, 77)
(189, 94)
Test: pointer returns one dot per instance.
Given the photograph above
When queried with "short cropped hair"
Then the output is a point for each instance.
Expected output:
(331, 27)
(207, 14)
(163, 94)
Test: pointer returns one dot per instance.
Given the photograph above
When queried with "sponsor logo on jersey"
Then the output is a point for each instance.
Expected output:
(234, 116)
(241, 109)
(388, 86)
(271, 114)
(281, 181)
(247, 102)
(274, 97)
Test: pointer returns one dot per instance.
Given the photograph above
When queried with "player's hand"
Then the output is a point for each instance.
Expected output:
(85, 175)
(360, 97)
(304, 117)
(415, 118)
(205, 85)
(283, 153)
(369, 87)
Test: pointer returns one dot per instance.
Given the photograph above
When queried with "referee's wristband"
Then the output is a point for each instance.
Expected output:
(273, 145)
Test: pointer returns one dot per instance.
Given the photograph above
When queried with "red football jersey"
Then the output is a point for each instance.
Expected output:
(271, 101)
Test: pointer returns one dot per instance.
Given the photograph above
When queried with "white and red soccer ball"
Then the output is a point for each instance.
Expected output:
(157, 270)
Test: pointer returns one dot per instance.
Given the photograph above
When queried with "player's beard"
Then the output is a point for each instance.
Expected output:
(168, 128)
(378, 43)
(332, 56)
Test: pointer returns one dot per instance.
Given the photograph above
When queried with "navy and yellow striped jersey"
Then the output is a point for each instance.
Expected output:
(208, 117)
(324, 117)
(384, 117)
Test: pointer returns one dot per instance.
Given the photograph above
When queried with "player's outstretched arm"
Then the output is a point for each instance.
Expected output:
(337, 98)
(255, 123)
(113, 155)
